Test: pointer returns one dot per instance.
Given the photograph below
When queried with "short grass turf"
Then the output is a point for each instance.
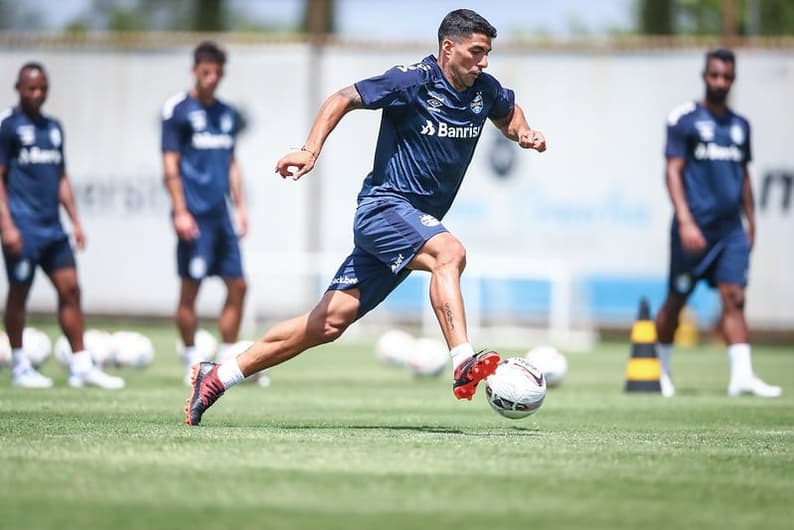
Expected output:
(339, 441)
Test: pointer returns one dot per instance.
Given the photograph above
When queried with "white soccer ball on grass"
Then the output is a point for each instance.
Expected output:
(395, 347)
(429, 357)
(5, 350)
(205, 342)
(131, 349)
(37, 345)
(551, 362)
(517, 388)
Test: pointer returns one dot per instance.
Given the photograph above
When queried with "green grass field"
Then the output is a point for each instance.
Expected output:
(341, 442)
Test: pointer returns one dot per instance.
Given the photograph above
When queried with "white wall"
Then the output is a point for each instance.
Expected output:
(595, 199)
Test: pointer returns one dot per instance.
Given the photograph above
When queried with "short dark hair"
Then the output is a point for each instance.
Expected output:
(721, 54)
(31, 65)
(462, 23)
(209, 52)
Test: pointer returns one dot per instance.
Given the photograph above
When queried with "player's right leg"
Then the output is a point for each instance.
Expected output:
(325, 323)
(666, 324)
(20, 270)
(23, 374)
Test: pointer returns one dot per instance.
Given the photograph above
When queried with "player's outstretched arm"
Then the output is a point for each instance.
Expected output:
(66, 197)
(330, 114)
(515, 127)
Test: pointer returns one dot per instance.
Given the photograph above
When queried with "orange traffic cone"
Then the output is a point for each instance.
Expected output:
(643, 369)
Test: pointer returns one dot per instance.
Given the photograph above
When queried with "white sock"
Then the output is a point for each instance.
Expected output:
(739, 360)
(190, 355)
(224, 351)
(229, 373)
(460, 353)
(664, 351)
(19, 361)
(81, 362)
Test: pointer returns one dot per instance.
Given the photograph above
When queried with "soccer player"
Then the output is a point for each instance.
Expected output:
(198, 138)
(433, 113)
(33, 186)
(708, 149)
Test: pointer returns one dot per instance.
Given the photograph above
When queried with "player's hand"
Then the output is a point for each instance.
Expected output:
(692, 238)
(241, 218)
(295, 164)
(12, 240)
(185, 226)
(751, 234)
(79, 236)
(532, 140)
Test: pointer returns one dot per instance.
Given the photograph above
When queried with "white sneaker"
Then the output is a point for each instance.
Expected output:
(28, 377)
(95, 377)
(753, 385)
(668, 390)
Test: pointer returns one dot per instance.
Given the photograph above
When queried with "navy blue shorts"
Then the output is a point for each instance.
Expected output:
(387, 234)
(726, 259)
(216, 252)
(45, 252)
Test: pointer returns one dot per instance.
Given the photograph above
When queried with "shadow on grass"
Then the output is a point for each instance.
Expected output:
(427, 429)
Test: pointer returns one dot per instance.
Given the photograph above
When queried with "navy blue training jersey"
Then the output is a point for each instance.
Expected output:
(428, 132)
(204, 137)
(31, 149)
(715, 150)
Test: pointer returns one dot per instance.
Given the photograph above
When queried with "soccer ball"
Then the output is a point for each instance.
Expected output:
(395, 347)
(37, 345)
(551, 362)
(62, 351)
(96, 341)
(428, 358)
(5, 350)
(206, 345)
(131, 349)
(516, 389)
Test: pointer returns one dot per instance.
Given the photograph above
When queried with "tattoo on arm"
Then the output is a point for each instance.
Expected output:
(353, 97)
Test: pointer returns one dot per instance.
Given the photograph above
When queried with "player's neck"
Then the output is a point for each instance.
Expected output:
(32, 113)
(205, 98)
(717, 109)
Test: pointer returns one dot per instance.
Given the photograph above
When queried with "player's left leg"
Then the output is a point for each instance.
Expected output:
(285, 340)
(445, 258)
(82, 370)
(734, 329)
(232, 313)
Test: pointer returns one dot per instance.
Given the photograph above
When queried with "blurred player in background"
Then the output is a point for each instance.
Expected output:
(708, 149)
(201, 174)
(33, 186)
(432, 117)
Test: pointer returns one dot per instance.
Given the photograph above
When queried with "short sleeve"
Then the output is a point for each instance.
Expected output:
(171, 123)
(389, 89)
(675, 146)
(503, 103)
(62, 146)
(748, 151)
(6, 142)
